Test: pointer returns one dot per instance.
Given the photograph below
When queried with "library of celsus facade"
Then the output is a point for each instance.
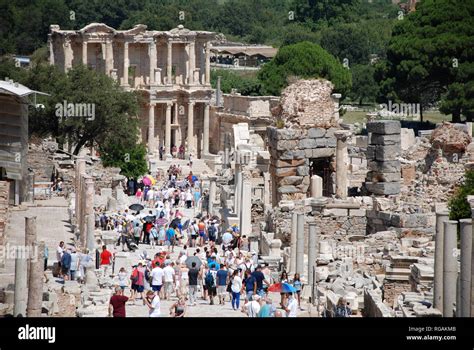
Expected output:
(171, 69)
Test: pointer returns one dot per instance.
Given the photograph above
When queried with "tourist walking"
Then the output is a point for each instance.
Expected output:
(105, 260)
(122, 278)
(117, 303)
(221, 276)
(292, 306)
(169, 280)
(298, 286)
(193, 275)
(236, 289)
(137, 278)
(157, 275)
(66, 264)
(342, 308)
(74, 265)
(153, 302)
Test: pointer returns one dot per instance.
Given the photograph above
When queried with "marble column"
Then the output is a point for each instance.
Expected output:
(126, 64)
(30, 239)
(246, 208)
(300, 245)
(192, 62)
(169, 65)
(168, 130)
(152, 57)
(238, 188)
(312, 250)
(80, 169)
(90, 239)
(212, 193)
(88, 208)
(68, 54)
(208, 64)
(190, 134)
(341, 166)
(20, 298)
(450, 271)
(151, 128)
(441, 217)
(464, 308)
(206, 129)
(84, 52)
(35, 287)
(316, 186)
(51, 50)
(109, 57)
(293, 236)
(267, 205)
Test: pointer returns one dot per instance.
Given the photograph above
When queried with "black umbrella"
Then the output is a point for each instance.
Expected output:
(136, 207)
(189, 261)
(149, 218)
(175, 223)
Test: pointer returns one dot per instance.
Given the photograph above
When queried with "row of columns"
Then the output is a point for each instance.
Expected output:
(190, 131)
(452, 290)
(154, 73)
(297, 246)
(29, 264)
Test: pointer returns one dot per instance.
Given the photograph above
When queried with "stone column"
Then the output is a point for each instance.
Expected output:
(151, 128)
(80, 170)
(238, 188)
(21, 283)
(192, 62)
(90, 240)
(126, 63)
(341, 166)
(109, 57)
(30, 239)
(300, 245)
(441, 217)
(466, 260)
(152, 56)
(88, 209)
(246, 208)
(168, 129)
(84, 52)
(206, 129)
(294, 229)
(450, 267)
(169, 66)
(68, 54)
(190, 135)
(266, 188)
(35, 288)
(312, 250)
(208, 63)
(212, 193)
(316, 186)
(51, 50)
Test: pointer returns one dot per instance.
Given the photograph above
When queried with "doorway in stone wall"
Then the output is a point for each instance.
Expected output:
(322, 168)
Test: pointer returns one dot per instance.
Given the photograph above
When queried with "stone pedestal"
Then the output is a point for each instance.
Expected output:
(441, 217)
(316, 186)
(450, 270)
(312, 250)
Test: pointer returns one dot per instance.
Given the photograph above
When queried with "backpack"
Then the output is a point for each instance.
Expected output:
(341, 311)
(212, 232)
(209, 280)
(134, 276)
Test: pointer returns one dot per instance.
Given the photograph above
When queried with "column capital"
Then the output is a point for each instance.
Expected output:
(169, 104)
(152, 104)
(191, 103)
(342, 135)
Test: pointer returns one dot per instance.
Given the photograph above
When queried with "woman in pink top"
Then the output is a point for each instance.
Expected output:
(138, 195)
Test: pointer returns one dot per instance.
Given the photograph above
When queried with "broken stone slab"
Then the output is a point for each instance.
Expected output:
(384, 127)
(391, 166)
(316, 133)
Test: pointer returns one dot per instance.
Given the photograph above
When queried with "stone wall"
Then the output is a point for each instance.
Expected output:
(373, 305)
(291, 151)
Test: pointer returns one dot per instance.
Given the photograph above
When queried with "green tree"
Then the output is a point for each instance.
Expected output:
(303, 60)
(364, 86)
(129, 158)
(430, 57)
(245, 85)
(458, 205)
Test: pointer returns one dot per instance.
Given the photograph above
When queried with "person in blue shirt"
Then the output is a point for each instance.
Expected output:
(222, 275)
(260, 279)
(250, 285)
(170, 238)
(66, 263)
(298, 286)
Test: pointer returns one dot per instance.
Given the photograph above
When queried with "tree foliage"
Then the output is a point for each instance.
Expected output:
(303, 60)
(458, 205)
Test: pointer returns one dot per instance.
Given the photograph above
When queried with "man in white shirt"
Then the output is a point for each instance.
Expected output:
(169, 277)
(252, 308)
(59, 255)
(292, 307)
(157, 275)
